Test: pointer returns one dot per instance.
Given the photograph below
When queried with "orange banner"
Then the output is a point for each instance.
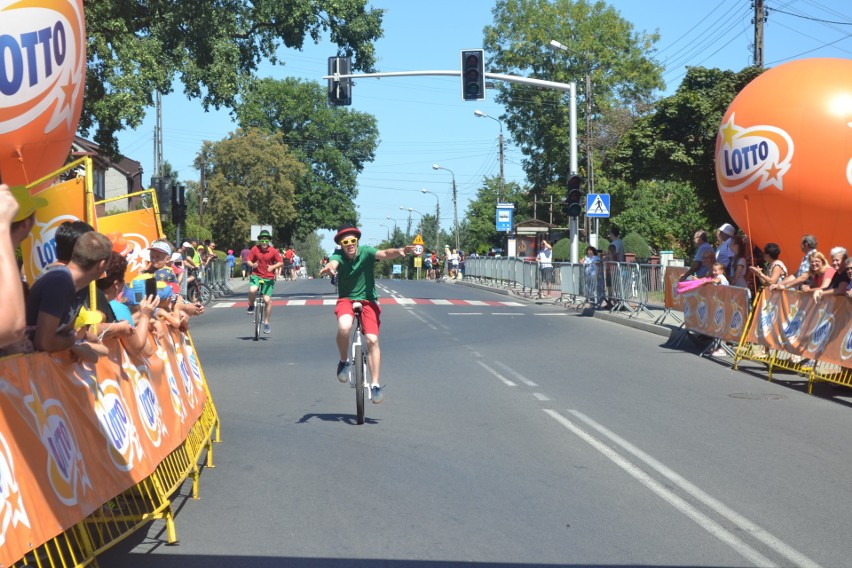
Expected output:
(717, 311)
(672, 300)
(66, 201)
(793, 322)
(73, 436)
(139, 229)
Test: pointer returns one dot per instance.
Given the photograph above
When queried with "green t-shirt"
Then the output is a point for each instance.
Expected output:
(356, 278)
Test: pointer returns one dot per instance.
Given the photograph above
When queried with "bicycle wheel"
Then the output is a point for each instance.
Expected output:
(359, 383)
(205, 295)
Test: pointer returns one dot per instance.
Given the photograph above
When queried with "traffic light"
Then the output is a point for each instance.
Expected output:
(340, 90)
(572, 204)
(473, 74)
(178, 204)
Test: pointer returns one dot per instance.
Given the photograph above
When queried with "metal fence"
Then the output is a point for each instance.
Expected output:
(617, 285)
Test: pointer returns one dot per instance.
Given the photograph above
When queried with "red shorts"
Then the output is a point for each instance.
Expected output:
(370, 312)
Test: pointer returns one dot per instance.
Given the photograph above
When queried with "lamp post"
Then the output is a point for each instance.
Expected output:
(386, 227)
(455, 202)
(482, 114)
(437, 218)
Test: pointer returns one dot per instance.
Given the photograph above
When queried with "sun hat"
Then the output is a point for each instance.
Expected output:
(347, 229)
(264, 234)
(161, 246)
(27, 203)
(728, 229)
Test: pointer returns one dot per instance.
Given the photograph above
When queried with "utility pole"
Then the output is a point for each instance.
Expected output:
(759, 19)
(456, 211)
(502, 189)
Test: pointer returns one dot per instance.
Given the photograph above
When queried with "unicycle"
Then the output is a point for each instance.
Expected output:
(259, 309)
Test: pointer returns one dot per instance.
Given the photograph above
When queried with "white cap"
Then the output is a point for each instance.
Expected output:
(728, 229)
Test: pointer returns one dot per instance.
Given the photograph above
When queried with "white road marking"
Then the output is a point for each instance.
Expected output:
(507, 314)
(464, 313)
(549, 314)
(541, 396)
(506, 381)
(225, 305)
(405, 301)
(442, 302)
(422, 319)
(680, 504)
(477, 303)
(296, 302)
(516, 374)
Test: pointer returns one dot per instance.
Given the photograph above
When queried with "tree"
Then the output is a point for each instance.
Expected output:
(601, 43)
(335, 143)
(477, 231)
(251, 179)
(677, 140)
(666, 213)
(215, 48)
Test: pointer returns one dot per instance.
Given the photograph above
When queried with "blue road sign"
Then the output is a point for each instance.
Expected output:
(597, 205)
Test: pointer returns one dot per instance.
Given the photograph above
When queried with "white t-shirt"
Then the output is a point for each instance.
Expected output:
(545, 256)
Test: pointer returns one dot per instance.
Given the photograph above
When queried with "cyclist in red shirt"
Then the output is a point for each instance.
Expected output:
(263, 259)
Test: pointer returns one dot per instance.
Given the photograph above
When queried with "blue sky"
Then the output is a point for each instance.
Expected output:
(423, 121)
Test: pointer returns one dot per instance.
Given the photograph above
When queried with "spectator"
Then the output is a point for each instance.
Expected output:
(809, 244)
(65, 238)
(54, 303)
(717, 276)
(615, 239)
(454, 264)
(545, 261)
(819, 275)
(700, 267)
(229, 263)
(840, 282)
(591, 268)
(176, 264)
(243, 261)
(112, 285)
(737, 263)
(17, 217)
(724, 254)
(776, 271)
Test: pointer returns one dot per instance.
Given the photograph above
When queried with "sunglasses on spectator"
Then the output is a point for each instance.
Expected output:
(349, 241)
(263, 241)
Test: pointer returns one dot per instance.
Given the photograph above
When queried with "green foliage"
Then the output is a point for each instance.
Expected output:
(477, 230)
(251, 180)
(334, 142)
(666, 212)
(215, 48)
(310, 251)
(677, 141)
(636, 243)
(602, 44)
(562, 250)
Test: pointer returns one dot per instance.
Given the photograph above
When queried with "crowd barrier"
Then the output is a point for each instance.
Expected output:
(623, 286)
(91, 453)
(217, 278)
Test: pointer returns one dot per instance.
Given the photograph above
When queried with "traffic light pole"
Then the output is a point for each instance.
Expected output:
(571, 88)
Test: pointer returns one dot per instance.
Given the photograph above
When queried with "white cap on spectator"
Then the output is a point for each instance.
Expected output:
(177, 256)
(162, 246)
(728, 229)
(186, 244)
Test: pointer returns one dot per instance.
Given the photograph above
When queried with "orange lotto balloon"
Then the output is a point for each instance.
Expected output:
(784, 156)
(42, 76)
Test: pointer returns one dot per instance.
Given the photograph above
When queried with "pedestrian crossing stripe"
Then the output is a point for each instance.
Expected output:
(598, 206)
(382, 301)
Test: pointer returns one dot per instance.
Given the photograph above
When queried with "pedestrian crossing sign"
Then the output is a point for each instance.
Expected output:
(597, 205)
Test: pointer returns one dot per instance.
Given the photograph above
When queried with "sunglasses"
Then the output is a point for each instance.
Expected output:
(349, 241)
(263, 242)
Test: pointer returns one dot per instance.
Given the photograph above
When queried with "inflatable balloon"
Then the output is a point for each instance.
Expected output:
(42, 77)
(784, 156)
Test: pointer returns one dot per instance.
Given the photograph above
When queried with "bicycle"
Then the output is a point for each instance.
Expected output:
(197, 291)
(359, 364)
(259, 312)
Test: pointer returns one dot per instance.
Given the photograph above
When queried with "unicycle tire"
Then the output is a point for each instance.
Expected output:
(258, 318)
(359, 384)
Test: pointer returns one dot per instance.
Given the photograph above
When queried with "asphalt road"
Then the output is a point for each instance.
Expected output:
(512, 434)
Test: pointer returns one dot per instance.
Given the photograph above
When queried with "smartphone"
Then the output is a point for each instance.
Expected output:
(150, 287)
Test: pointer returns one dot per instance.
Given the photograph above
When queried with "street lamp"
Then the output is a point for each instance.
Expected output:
(482, 114)
(455, 202)
(437, 218)
(386, 227)
(410, 211)
(589, 177)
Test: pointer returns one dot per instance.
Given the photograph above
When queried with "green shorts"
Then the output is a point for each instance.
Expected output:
(264, 285)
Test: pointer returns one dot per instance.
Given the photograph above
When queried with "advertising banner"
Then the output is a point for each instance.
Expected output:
(717, 311)
(74, 435)
(138, 229)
